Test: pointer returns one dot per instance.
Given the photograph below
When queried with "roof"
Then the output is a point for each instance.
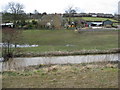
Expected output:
(6, 24)
(98, 23)
(107, 20)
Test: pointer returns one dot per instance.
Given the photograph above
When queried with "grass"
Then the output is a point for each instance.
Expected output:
(93, 19)
(68, 40)
(97, 19)
(102, 75)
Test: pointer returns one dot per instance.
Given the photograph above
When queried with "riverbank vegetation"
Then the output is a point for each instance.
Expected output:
(68, 41)
(92, 75)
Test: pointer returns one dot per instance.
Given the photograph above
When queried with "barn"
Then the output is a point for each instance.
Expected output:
(107, 22)
(94, 24)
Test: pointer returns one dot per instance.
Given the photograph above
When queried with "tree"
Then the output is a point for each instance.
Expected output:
(53, 21)
(44, 13)
(10, 37)
(16, 11)
(36, 14)
(57, 21)
(6, 17)
(70, 10)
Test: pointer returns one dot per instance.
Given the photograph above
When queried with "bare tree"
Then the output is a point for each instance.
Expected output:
(10, 37)
(57, 21)
(16, 9)
(51, 21)
(70, 11)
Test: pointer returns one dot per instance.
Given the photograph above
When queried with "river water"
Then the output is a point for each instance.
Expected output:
(21, 46)
(20, 63)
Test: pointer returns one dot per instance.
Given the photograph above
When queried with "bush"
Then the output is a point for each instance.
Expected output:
(34, 22)
(30, 26)
(115, 26)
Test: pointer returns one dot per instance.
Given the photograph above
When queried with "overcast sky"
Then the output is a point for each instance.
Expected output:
(59, 6)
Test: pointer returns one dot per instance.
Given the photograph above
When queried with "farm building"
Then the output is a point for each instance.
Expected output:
(98, 24)
(107, 22)
(91, 24)
(11, 25)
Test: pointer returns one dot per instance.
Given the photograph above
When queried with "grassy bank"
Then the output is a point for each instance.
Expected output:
(94, 75)
(64, 53)
(68, 40)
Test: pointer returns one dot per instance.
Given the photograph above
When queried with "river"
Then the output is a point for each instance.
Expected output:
(20, 63)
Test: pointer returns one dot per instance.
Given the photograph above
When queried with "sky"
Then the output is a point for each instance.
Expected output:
(59, 6)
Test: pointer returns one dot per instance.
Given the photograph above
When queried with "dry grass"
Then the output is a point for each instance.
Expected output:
(94, 75)
(66, 53)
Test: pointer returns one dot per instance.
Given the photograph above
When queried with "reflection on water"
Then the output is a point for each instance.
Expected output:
(20, 63)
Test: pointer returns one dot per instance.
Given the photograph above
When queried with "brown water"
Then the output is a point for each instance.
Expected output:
(20, 63)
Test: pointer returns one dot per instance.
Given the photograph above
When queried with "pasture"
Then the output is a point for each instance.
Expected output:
(92, 19)
(68, 40)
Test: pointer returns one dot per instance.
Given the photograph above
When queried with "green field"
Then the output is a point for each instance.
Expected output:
(85, 18)
(97, 19)
(92, 19)
(68, 40)
(98, 75)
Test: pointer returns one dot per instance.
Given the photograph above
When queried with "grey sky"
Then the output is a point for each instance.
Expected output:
(59, 6)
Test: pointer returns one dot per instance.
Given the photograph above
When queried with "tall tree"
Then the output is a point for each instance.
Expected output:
(70, 11)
